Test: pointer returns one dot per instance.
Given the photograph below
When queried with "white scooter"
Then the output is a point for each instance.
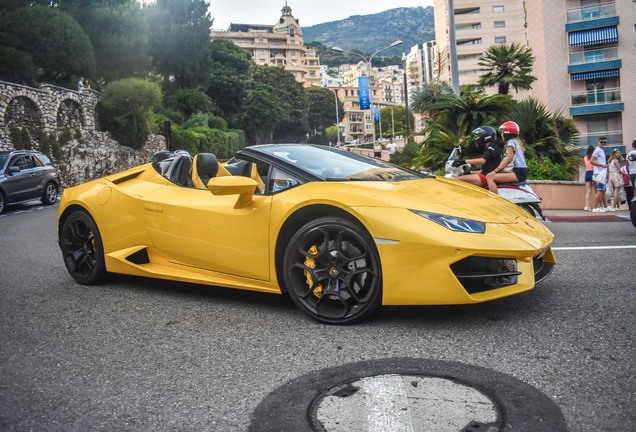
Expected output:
(519, 193)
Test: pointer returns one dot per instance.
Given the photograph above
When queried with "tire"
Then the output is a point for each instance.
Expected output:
(632, 212)
(49, 197)
(82, 249)
(331, 271)
(3, 202)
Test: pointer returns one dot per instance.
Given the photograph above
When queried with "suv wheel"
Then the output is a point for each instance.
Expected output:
(50, 194)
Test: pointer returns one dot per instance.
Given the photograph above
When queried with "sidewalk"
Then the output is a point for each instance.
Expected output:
(587, 216)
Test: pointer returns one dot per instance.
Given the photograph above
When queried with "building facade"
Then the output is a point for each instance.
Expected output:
(478, 25)
(585, 62)
(281, 45)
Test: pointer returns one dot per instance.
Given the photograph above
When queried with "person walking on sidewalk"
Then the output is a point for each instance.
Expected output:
(589, 184)
(615, 180)
(600, 174)
(631, 159)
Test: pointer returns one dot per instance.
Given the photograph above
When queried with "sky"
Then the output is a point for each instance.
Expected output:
(308, 12)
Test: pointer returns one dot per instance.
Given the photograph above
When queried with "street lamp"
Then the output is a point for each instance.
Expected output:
(368, 62)
(335, 95)
(406, 101)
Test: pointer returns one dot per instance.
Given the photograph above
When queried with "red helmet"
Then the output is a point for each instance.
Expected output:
(509, 128)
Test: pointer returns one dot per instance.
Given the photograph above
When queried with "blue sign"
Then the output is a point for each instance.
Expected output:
(376, 114)
(363, 92)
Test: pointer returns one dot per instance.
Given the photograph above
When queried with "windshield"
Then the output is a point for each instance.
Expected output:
(338, 165)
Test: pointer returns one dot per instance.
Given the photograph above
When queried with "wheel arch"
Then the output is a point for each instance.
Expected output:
(299, 218)
(65, 214)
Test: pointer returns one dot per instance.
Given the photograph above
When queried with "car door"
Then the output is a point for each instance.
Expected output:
(21, 185)
(205, 231)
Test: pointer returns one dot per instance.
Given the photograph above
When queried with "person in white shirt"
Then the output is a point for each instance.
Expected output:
(600, 168)
(392, 148)
(631, 159)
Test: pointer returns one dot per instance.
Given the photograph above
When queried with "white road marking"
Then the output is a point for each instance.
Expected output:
(595, 247)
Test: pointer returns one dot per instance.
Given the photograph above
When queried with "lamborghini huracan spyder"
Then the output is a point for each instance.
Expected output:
(341, 234)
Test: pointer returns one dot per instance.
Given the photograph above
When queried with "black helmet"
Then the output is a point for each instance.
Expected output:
(483, 135)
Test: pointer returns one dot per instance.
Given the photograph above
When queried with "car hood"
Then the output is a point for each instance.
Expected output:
(438, 195)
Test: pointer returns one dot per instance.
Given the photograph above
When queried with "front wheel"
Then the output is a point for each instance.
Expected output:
(331, 270)
(82, 248)
(49, 196)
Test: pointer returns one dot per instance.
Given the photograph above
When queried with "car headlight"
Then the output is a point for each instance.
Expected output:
(454, 223)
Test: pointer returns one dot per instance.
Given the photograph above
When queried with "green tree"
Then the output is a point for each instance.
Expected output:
(507, 65)
(179, 34)
(118, 34)
(473, 108)
(292, 124)
(127, 102)
(321, 109)
(261, 113)
(423, 99)
(230, 77)
(397, 121)
(547, 135)
(55, 43)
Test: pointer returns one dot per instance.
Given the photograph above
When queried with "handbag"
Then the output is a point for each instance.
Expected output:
(600, 177)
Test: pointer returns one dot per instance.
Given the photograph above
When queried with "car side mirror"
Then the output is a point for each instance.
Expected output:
(13, 169)
(244, 187)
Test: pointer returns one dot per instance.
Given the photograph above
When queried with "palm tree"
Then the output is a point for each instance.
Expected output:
(507, 65)
(547, 135)
(473, 108)
(424, 98)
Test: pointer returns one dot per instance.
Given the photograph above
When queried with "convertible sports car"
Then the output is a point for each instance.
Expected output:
(340, 233)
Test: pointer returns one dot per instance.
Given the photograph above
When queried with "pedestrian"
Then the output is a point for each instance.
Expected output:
(377, 150)
(80, 85)
(631, 159)
(600, 175)
(392, 148)
(615, 180)
(589, 184)
(87, 86)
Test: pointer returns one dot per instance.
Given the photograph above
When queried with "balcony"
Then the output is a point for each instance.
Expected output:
(592, 12)
(593, 56)
(596, 102)
(614, 138)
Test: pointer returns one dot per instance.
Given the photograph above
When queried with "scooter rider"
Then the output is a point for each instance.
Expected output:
(484, 137)
(513, 167)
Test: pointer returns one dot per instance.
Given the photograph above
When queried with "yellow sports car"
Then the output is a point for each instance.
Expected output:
(340, 233)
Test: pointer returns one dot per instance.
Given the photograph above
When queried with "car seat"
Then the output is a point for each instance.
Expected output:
(205, 167)
(180, 170)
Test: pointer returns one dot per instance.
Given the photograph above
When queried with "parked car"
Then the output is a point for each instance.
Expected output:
(26, 175)
(340, 233)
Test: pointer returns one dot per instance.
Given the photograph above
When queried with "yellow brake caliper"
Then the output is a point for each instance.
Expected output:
(309, 262)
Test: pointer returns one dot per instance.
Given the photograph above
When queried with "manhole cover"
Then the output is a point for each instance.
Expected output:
(403, 403)
(407, 394)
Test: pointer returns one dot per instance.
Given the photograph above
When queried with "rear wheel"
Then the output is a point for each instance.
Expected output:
(3, 202)
(49, 196)
(82, 248)
(332, 271)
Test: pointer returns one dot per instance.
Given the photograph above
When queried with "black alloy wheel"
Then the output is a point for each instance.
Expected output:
(82, 249)
(3, 202)
(332, 271)
(49, 196)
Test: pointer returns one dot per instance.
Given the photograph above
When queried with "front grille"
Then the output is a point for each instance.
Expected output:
(479, 274)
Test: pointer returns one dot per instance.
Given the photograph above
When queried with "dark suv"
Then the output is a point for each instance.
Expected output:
(27, 175)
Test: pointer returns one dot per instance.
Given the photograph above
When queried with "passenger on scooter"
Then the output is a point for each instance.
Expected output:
(484, 137)
(513, 167)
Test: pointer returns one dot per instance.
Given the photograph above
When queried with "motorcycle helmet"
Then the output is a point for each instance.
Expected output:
(483, 135)
(509, 128)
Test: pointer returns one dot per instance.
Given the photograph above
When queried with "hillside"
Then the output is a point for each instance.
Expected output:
(369, 33)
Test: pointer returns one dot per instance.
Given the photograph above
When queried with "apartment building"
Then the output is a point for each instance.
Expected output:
(357, 124)
(586, 58)
(478, 25)
(281, 44)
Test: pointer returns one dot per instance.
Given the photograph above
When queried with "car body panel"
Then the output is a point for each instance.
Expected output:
(193, 235)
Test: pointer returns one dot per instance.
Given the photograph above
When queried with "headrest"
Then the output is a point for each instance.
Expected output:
(207, 165)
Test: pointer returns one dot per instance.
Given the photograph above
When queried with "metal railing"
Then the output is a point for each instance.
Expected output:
(593, 56)
(592, 12)
(613, 138)
(596, 97)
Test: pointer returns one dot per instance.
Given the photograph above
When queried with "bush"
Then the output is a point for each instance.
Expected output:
(201, 139)
(544, 169)
(20, 138)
